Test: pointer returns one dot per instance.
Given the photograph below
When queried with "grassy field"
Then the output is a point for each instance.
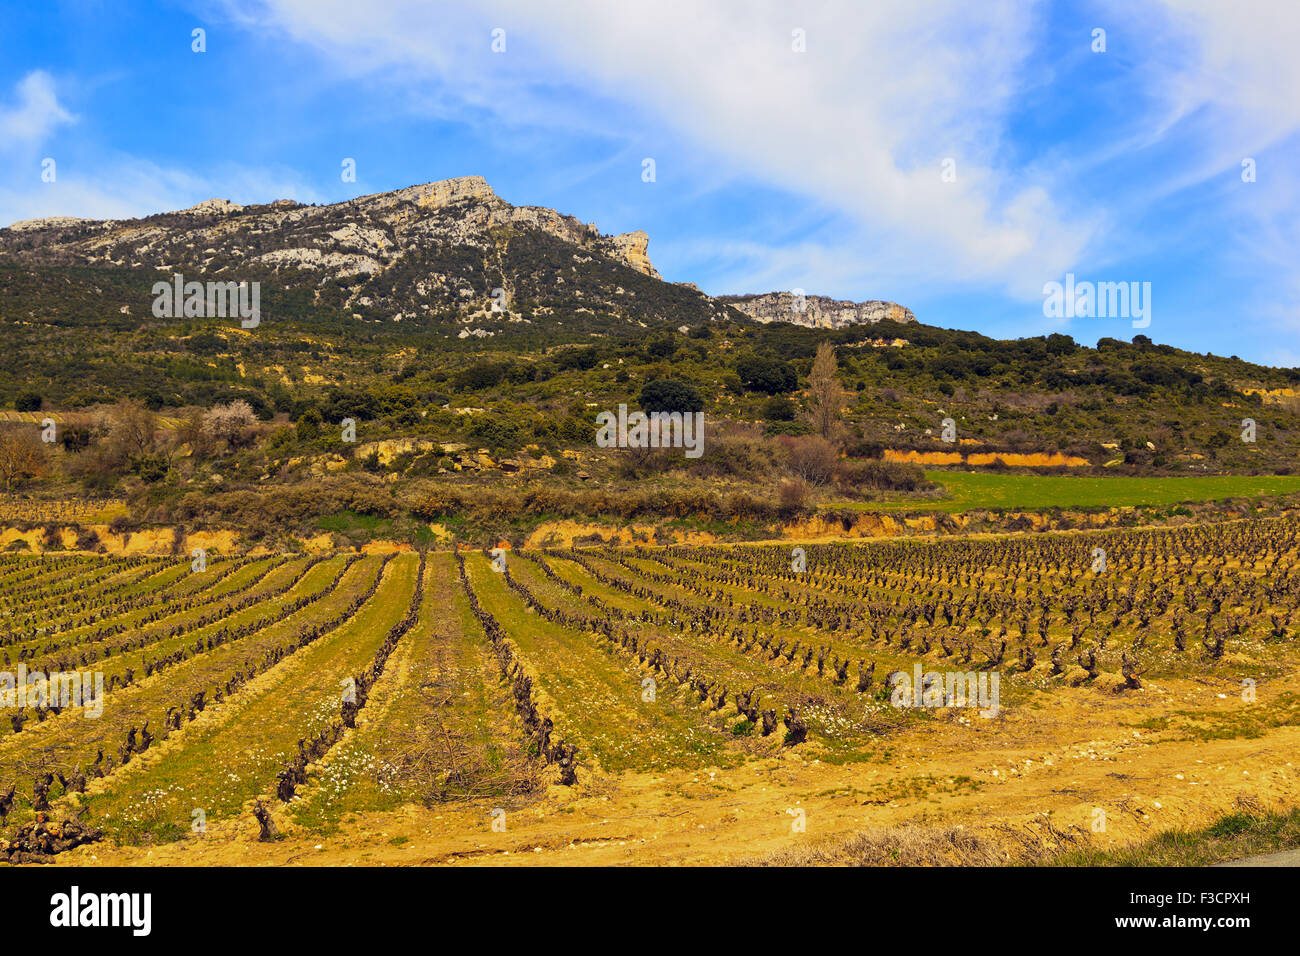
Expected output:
(971, 490)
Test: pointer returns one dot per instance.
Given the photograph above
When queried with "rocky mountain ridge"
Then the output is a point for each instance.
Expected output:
(450, 252)
(368, 249)
(816, 311)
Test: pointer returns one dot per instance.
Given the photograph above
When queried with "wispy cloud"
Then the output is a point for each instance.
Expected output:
(854, 123)
(777, 168)
(117, 185)
(35, 114)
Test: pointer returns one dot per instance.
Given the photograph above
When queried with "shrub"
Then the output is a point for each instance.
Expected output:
(308, 425)
(793, 495)
(229, 423)
(479, 375)
(497, 433)
(737, 452)
(809, 457)
(880, 476)
(865, 448)
(769, 376)
(778, 408)
(75, 438)
(668, 395)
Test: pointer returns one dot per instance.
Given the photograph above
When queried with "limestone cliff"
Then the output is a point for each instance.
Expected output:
(816, 311)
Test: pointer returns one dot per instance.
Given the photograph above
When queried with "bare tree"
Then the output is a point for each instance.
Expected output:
(21, 456)
(810, 458)
(824, 386)
(133, 428)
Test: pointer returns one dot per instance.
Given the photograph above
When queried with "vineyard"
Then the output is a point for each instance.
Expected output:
(295, 702)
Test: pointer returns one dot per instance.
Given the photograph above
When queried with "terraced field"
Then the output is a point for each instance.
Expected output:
(300, 698)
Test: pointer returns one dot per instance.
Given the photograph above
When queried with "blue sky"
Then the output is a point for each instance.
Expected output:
(775, 168)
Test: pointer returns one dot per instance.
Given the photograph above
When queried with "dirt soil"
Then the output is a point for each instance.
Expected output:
(1030, 780)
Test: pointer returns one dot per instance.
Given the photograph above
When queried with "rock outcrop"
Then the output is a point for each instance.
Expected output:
(446, 246)
(48, 222)
(816, 311)
(210, 207)
(450, 255)
(630, 247)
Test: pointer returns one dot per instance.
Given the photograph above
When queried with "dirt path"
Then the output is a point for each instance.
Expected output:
(1032, 780)
(1285, 858)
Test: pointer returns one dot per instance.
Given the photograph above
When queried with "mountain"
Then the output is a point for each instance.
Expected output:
(816, 311)
(429, 254)
(433, 255)
(381, 308)
(378, 231)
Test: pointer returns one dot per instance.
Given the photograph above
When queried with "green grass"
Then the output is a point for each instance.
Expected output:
(349, 523)
(595, 692)
(450, 710)
(222, 764)
(1245, 724)
(1232, 837)
(967, 491)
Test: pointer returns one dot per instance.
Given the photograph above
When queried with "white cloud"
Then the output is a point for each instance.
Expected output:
(117, 185)
(1246, 65)
(859, 123)
(127, 187)
(1239, 97)
(35, 115)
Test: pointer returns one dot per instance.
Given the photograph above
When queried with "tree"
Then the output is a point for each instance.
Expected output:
(778, 408)
(133, 428)
(229, 422)
(810, 458)
(667, 395)
(75, 438)
(770, 376)
(480, 375)
(1058, 344)
(28, 402)
(660, 348)
(309, 422)
(824, 387)
(21, 456)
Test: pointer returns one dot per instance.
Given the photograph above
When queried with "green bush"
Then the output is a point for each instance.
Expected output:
(778, 408)
(668, 395)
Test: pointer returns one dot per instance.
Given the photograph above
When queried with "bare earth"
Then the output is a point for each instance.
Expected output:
(1030, 779)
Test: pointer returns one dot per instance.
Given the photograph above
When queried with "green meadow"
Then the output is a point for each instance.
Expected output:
(965, 491)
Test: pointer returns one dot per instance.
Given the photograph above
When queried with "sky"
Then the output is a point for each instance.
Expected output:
(951, 156)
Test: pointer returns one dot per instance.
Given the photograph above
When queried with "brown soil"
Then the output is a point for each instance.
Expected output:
(1026, 784)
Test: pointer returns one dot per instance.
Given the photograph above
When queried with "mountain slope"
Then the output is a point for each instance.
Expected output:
(434, 254)
(382, 309)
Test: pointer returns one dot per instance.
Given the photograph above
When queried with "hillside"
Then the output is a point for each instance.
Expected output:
(385, 310)
(429, 256)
